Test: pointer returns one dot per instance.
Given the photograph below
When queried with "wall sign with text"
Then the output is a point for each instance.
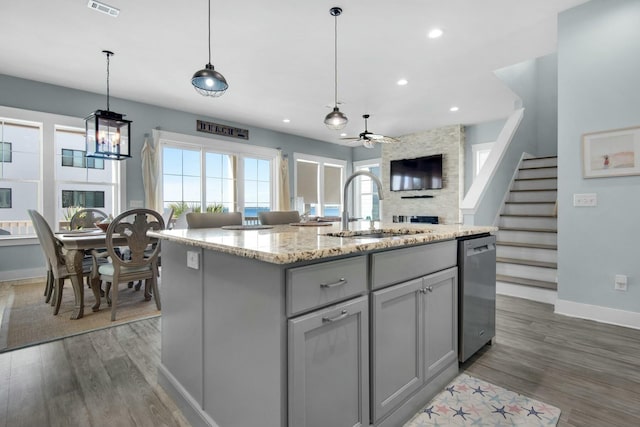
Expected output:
(223, 130)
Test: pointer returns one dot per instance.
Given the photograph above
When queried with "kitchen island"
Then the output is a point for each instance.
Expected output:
(304, 326)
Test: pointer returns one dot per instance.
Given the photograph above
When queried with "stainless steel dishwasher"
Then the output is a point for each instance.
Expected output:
(476, 294)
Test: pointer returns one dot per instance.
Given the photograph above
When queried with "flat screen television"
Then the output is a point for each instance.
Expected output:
(422, 173)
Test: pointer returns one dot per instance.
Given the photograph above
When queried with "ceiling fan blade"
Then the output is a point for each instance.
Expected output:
(374, 136)
(351, 138)
(387, 140)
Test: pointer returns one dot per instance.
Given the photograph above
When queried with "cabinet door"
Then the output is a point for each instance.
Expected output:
(440, 321)
(329, 367)
(396, 345)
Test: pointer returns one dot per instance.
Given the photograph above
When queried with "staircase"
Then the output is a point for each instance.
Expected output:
(527, 237)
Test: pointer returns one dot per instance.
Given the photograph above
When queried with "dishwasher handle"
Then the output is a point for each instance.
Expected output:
(481, 246)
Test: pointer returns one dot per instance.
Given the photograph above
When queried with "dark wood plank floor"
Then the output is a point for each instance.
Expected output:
(590, 371)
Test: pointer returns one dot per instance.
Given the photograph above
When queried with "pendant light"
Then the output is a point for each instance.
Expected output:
(209, 82)
(336, 120)
(107, 133)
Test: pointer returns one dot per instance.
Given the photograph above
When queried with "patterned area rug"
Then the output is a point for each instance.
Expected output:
(468, 401)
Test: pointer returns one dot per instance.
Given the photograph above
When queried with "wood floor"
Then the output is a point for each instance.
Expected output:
(590, 371)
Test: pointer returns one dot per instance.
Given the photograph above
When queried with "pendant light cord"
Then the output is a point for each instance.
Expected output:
(335, 50)
(108, 55)
(209, 31)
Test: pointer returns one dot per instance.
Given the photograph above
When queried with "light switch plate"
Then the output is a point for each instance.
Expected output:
(193, 260)
(585, 200)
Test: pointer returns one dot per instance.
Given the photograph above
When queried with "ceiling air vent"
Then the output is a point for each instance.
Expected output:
(104, 8)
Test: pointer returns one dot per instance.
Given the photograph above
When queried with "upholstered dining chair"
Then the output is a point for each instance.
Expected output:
(86, 218)
(140, 264)
(55, 259)
(278, 217)
(48, 287)
(213, 219)
(167, 216)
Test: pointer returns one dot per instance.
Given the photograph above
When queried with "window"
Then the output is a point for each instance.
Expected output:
(86, 199)
(79, 159)
(367, 201)
(5, 198)
(480, 153)
(222, 176)
(37, 145)
(318, 184)
(5, 152)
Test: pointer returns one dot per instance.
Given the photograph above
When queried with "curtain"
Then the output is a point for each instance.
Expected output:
(283, 184)
(150, 173)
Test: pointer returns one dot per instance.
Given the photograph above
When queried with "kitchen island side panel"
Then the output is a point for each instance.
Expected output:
(181, 293)
(245, 338)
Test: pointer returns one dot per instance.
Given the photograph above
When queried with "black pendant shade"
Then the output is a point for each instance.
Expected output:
(107, 133)
(209, 82)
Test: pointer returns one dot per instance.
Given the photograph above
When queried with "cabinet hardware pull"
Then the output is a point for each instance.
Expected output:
(422, 291)
(342, 315)
(340, 282)
(430, 288)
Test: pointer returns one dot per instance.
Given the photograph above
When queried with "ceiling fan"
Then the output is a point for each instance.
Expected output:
(369, 139)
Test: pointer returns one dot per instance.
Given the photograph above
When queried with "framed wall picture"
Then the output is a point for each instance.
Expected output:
(611, 153)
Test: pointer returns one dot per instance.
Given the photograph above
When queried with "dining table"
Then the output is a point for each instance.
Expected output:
(75, 245)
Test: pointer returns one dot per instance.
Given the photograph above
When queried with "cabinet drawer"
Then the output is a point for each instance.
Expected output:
(403, 264)
(320, 284)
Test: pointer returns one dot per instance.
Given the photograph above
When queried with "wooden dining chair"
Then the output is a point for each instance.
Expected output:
(213, 219)
(86, 218)
(48, 287)
(278, 217)
(55, 259)
(140, 264)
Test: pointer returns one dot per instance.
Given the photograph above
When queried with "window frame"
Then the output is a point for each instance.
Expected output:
(46, 184)
(357, 187)
(2, 157)
(204, 145)
(321, 161)
(476, 150)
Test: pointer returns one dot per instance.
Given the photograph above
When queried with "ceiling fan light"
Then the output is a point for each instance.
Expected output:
(336, 119)
(209, 82)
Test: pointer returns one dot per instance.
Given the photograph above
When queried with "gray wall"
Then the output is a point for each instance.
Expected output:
(478, 134)
(532, 81)
(30, 95)
(598, 80)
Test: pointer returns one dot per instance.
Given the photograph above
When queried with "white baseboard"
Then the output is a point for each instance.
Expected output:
(613, 316)
(28, 273)
(547, 296)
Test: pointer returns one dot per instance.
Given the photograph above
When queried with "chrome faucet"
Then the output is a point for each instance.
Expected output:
(345, 212)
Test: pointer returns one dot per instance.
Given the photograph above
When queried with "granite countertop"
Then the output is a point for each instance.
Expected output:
(287, 244)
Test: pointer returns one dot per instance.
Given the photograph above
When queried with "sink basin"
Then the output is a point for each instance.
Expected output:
(375, 234)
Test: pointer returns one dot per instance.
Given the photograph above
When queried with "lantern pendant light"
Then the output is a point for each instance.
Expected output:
(209, 82)
(107, 133)
(336, 120)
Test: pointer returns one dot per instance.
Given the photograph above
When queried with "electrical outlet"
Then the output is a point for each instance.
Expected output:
(620, 283)
(586, 199)
(193, 260)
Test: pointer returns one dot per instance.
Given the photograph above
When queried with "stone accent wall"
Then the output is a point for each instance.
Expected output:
(445, 204)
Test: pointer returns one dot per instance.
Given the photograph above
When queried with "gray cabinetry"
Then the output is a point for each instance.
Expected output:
(440, 321)
(397, 345)
(329, 368)
(414, 337)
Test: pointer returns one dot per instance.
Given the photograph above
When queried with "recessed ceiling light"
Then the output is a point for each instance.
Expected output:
(286, 120)
(454, 108)
(402, 82)
(104, 8)
(435, 33)
(343, 134)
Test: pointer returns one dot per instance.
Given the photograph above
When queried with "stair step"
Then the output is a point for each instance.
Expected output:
(538, 172)
(533, 263)
(526, 282)
(532, 196)
(528, 245)
(535, 184)
(530, 203)
(529, 208)
(533, 230)
(540, 162)
(525, 271)
(536, 179)
(537, 167)
(529, 221)
(529, 215)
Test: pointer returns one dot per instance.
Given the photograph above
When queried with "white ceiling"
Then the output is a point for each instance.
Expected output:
(278, 57)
